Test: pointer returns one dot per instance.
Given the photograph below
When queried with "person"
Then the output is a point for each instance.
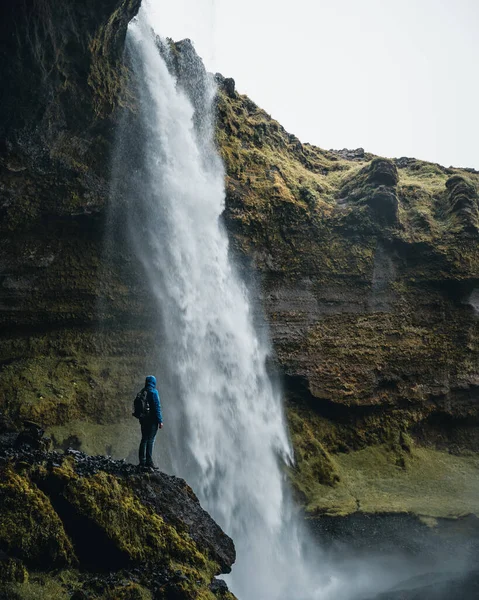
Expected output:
(150, 423)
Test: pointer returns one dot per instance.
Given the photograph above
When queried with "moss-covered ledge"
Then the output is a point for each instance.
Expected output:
(75, 524)
(368, 467)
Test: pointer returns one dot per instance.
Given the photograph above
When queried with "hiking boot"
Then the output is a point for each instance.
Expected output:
(151, 465)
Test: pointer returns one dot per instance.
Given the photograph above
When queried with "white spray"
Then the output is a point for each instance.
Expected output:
(228, 413)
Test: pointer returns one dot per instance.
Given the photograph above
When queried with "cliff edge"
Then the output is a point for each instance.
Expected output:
(77, 526)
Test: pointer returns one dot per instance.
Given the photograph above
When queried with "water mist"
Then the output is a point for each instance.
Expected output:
(225, 418)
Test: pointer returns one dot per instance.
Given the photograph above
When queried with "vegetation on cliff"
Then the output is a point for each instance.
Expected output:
(368, 271)
(71, 523)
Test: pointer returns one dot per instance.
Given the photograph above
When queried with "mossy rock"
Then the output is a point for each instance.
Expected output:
(463, 200)
(128, 591)
(30, 529)
(60, 511)
(361, 466)
(121, 529)
(12, 570)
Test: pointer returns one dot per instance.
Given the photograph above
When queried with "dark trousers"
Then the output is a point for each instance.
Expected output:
(148, 433)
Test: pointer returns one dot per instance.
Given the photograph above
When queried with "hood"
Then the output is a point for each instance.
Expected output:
(150, 382)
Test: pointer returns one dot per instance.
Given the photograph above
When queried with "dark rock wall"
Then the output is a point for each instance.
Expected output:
(73, 314)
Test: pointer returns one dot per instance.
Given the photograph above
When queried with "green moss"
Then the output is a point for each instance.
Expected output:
(267, 168)
(371, 464)
(44, 588)
(12, 571)
(29, 527)
(118, 440)
(54, 585)
(129, 591)
(32, 531)
(313, 463)
(59, 585)
(135, 529)
(78, 384)
(430, 483)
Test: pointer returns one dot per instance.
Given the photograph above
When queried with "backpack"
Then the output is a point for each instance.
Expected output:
(141, 406)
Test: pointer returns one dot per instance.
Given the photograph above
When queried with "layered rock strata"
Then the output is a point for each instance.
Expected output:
(367, 270)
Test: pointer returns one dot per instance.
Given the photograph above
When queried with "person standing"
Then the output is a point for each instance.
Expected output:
(147, 409)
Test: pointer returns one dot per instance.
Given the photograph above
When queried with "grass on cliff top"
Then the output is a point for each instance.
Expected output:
(431, 484)
(259, 153)
(272, 166)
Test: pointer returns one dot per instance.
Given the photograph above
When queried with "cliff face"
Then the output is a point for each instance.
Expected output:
(63, 88)
(369, 276)
(367, 271)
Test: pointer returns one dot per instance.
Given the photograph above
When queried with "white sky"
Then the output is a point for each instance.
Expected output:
(396, 77)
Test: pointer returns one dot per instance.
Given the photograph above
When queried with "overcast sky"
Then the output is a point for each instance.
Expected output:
(396, 77)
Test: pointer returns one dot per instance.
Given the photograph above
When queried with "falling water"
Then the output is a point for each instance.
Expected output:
(226, 418)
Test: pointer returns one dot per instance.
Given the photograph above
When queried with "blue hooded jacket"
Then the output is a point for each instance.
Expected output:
(155, 406)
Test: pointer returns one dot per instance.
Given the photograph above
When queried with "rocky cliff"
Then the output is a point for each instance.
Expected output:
(367, 270)
(74, 323)
(75, 526)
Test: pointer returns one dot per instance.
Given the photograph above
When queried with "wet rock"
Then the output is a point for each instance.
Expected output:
(382, 172)
(404, 162)
(8, 431)
(384, 203)
(79, 595)
(227, 84)
(191, 73)
(219, 587)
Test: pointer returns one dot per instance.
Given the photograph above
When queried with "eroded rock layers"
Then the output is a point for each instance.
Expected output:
(367, 270)
(368, 275)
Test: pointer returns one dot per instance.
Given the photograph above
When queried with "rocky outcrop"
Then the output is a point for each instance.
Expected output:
(463, 201)
(107, 525)
(376, 187)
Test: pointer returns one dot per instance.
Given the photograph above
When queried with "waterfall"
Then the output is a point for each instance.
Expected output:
(223, 415)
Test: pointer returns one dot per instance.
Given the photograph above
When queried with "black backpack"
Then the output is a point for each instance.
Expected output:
(141, 405)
